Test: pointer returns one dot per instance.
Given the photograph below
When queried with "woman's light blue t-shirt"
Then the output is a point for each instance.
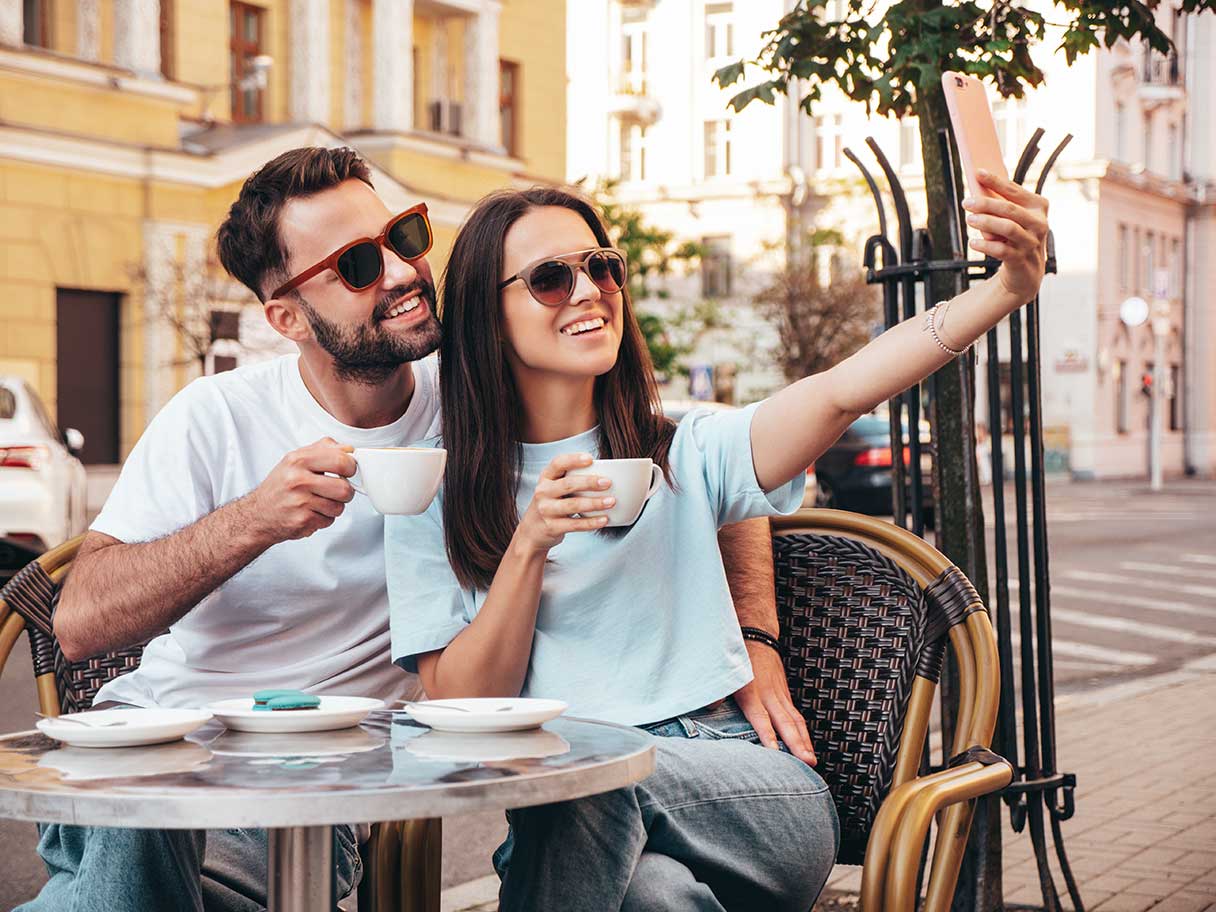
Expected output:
(634, 628)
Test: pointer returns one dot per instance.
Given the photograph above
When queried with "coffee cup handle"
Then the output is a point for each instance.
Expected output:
(354, 482)
(656, 480)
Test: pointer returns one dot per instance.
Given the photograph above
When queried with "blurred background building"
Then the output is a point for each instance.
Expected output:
(128, 126)
(1133, 205)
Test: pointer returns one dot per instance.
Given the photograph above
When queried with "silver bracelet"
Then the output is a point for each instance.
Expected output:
(931, 327)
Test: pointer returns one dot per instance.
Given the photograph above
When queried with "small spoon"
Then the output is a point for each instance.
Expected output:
(80, 721)
(428, 705)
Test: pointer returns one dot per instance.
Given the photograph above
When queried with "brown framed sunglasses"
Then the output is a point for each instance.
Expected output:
(360, 264)
(551, 280)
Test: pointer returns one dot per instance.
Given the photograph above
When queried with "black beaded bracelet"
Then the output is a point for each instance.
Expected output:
(763, 636)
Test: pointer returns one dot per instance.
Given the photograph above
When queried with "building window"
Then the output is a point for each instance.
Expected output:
(1172, 163)
(829, 133)
(1008, 117)
(715, 267)
(166, 38)
(1137, 285)
(1147, 156)
(1150, 262)
(1173, 391)
(37, 23)
(717, 148)
(633, 152)
(633, 57)
(719, 31)
(508, 105)
(1175, 269)
(909, 142)
(1125, 265)
(1121, 393)
(245, 43)
(1120, 131)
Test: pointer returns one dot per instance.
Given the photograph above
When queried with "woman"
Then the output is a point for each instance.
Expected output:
(542, 367)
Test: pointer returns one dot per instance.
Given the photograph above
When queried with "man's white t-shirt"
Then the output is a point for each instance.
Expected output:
(309, 614)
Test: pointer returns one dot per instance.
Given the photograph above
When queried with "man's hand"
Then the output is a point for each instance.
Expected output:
(768, 706)
(298, 497)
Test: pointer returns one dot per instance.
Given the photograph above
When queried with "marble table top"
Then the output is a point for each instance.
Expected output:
(380, 770)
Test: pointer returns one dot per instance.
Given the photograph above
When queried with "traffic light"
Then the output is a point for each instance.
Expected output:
(1146, 383)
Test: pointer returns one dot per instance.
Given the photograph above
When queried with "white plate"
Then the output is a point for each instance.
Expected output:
(142, 726)
(295, 744)
(86, 763)
(486, 714)
(479, 747)
(334, 712)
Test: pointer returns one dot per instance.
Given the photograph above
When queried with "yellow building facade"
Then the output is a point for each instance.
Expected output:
(128, 126)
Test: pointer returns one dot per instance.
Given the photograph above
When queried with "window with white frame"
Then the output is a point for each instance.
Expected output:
(633, 56)
(1172, 163)
(1008, 116)
(717, 148)
(633, 152)
(1150, 261)
(1175, 268)
(1125, 259)
(1146, 155)
(1120, 131)
(909, 142)
(829, 133)
(719, 30)
(715, 266)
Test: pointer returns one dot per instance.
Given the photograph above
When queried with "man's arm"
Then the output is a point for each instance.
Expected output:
(118, 594)
(747, 552)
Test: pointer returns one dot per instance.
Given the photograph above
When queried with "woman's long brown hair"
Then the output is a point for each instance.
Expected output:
(481, 407)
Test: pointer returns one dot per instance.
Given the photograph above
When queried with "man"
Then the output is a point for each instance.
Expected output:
(234, 527)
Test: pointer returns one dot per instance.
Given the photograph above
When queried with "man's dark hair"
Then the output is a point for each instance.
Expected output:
(249, 243)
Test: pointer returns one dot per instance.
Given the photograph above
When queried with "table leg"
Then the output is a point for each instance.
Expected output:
(300, 870)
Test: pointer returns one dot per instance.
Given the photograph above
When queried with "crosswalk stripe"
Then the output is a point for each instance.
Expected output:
(1199, 558)
(1136, 628)
(1095, 653)
(1168, 569)
(1188, 588)
(1134, 601)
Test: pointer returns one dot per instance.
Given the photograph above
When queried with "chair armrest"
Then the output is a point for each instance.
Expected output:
(902, 825)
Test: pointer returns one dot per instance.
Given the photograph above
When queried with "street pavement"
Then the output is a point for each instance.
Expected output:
(1133, 575)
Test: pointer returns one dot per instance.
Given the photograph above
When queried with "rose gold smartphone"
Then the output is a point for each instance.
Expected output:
(974, 129)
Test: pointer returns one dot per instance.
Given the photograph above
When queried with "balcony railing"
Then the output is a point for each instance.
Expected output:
(1161, 70)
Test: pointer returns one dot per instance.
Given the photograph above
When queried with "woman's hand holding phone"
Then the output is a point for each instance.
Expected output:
(1014, 224)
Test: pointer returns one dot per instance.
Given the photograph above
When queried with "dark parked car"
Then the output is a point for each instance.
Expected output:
(855, 473)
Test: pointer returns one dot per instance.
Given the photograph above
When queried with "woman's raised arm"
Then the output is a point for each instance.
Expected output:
(793, 428)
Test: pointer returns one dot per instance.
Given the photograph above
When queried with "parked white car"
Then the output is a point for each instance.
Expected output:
(43, 489)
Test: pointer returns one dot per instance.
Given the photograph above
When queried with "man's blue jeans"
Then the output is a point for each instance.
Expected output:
(721, 824)
(126, 870)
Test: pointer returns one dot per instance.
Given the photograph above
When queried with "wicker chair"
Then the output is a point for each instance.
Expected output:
(398, 853)
(866, 610)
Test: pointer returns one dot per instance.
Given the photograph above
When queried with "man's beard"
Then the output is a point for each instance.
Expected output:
(367, 354)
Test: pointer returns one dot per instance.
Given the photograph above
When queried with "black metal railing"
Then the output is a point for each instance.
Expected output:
(1039, 789)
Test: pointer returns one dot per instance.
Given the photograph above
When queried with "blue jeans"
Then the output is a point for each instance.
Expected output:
(125, 870)
(722, 824)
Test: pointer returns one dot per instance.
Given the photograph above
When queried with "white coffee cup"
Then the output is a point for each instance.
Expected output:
(399, 480)
(634, 481)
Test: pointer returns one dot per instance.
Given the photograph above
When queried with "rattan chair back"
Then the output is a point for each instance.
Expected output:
(853, 626)
(32, 595)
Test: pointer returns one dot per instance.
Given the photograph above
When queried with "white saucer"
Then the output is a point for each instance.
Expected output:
(334, 712)
(352, 740)
(140, 726)
(478, 747)
(85, 763)
(486, 714)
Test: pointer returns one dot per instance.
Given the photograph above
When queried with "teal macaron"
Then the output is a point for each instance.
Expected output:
(284, 699)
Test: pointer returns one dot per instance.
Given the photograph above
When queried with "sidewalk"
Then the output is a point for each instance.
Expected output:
(1144, 835)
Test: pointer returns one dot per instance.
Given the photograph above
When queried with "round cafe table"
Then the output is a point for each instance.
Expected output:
(298, 786)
